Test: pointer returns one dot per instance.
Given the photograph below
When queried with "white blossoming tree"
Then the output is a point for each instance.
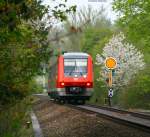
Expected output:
(129, 60)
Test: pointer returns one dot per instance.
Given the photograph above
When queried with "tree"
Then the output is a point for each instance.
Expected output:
(134, 18)
(129, 60)
(24, 26)
(70, 34)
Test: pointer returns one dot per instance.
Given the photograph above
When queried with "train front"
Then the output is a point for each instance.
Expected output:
(75, 76)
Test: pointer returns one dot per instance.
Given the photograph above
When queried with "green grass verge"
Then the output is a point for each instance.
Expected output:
(14, 118)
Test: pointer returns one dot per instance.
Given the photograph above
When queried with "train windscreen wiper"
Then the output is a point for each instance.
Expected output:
(74, 68)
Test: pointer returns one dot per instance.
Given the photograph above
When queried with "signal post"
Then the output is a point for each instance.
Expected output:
(110, 64)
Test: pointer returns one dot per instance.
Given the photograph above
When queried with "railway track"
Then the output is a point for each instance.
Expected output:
(134, 119)
(136, 114)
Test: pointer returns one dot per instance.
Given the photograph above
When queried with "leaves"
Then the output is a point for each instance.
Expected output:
(129, 60)
(24, 27)
(134, 17)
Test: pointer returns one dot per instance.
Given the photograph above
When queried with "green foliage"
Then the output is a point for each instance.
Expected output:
(134, 21)
(13, 11)
(136, 95)
(23, 44)
(13, 119)
(77, 25)
(93, 36)
(93, 41)
(62, 13)
(21, 51)
(21, 59)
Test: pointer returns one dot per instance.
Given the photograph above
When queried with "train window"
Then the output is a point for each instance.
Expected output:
(75, 67)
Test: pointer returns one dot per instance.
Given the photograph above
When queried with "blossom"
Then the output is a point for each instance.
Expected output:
(129, 60)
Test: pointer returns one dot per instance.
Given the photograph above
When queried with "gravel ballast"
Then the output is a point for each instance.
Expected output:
(62, 121)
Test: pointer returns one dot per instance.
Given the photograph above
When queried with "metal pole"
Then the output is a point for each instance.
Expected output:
(110, 86)
(110, 79)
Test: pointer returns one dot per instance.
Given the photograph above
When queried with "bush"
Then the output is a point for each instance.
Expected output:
(13, 119)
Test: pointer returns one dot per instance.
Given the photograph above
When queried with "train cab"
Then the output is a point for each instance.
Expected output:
(74, 78)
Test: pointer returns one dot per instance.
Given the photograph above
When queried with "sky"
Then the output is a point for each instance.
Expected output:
(96, 4)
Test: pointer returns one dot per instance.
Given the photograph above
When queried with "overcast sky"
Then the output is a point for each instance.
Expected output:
(107, 4)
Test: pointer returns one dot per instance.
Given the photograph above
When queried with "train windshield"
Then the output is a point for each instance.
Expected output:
(75, 67)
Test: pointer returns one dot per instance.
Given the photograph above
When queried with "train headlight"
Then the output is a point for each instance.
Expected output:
(88, 84)
(62, 83)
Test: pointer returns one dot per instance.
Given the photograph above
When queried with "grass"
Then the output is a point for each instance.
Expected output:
(14, 118)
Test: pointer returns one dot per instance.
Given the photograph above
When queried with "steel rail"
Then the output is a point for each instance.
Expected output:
(132, 119)
(136, 114)
(128, 118)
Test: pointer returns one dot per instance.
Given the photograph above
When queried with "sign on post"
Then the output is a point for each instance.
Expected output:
(110, 93)
(110, 63)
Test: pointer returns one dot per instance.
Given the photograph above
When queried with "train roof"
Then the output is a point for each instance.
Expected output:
(75, 55)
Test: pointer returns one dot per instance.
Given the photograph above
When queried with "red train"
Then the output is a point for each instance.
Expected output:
(74, 78)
